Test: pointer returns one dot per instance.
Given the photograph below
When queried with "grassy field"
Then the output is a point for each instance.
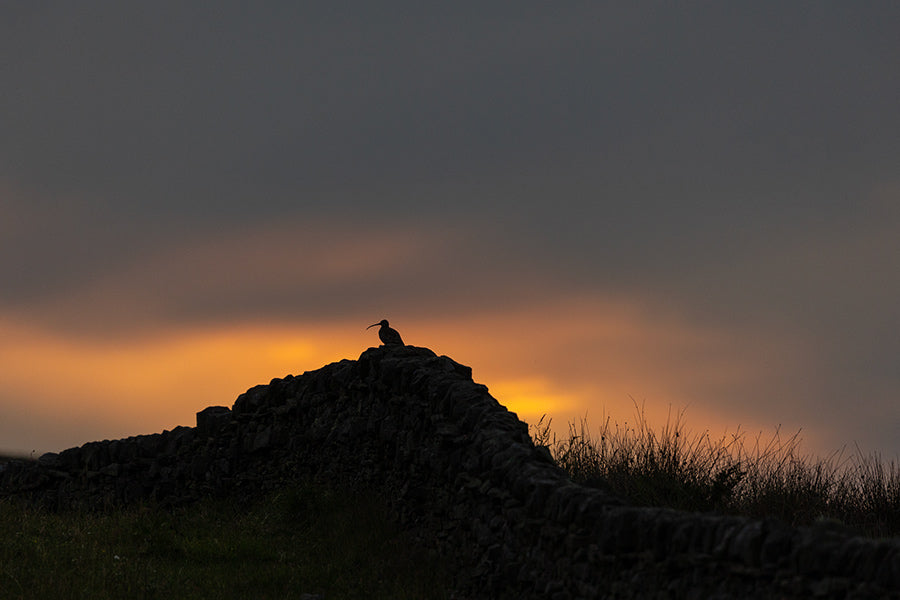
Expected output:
(308, 540)
(754, 477)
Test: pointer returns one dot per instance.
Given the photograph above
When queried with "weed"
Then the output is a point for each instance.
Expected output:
(675, 468)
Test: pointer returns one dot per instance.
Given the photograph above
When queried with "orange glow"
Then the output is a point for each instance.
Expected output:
(530, 398)
(115, 390)
(565, 359)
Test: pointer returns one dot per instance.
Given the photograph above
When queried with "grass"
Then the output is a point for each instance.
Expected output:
(675, 468)
(304, 540)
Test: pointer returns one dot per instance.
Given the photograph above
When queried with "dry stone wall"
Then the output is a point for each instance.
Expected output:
(461, 472)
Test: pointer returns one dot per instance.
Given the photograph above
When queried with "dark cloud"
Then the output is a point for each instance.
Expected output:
(734, 164)
(187, 108)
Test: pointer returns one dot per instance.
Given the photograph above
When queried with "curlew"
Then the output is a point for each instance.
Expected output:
(388, 335)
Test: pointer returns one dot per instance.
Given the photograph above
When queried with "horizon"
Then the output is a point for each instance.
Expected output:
(688, 209)
(528, 398)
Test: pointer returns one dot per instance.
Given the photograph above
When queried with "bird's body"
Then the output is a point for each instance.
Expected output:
(387, 334)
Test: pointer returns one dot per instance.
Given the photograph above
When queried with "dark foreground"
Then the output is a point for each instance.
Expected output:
(460, 475)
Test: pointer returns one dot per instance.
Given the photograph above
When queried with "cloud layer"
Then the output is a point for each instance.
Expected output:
(681, 205)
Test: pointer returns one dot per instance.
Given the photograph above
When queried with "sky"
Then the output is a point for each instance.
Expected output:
(689, 208)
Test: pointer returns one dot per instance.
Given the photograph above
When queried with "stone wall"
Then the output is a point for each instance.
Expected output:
(460, 471)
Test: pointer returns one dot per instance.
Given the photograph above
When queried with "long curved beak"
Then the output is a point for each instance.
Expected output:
(372, 325)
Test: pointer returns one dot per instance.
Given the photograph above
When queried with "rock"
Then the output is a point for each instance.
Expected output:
(212, 420)
(50, 460)
(111, 470)
(262, 440)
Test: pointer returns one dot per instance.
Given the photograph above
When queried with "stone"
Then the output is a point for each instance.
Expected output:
(212, 420)
(50, 460)
(460, 473)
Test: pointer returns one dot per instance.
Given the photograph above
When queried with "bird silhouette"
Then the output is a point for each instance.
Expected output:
(388, 335)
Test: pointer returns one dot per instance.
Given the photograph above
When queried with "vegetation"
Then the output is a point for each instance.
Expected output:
(672, 467)
(309, 540)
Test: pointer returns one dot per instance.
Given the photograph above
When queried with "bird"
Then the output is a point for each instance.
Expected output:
(388, 335)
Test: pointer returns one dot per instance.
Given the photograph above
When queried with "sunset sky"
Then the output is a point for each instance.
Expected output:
(592, 204)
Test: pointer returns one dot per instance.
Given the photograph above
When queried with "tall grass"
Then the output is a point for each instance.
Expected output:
(733, 474)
